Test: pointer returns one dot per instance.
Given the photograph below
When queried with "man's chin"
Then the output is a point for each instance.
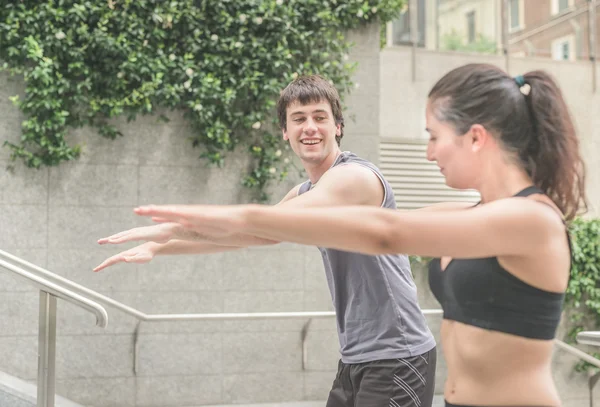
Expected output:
(312, 157)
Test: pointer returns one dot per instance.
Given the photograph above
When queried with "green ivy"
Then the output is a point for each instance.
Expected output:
(222, 62)
(583, 294)
(454, 41)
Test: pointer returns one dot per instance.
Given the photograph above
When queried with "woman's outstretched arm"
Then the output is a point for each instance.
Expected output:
(506, 227)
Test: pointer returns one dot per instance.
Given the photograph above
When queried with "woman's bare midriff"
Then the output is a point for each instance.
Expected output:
(488, 368)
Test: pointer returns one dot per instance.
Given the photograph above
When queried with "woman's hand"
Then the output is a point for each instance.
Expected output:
(160, 233)
(207, 221)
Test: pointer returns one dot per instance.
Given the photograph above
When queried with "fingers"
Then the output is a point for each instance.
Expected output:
(171, 212)
(123, 237)
(160, 220)
(116, 240)
(181, 214)
(109, 262)
(155, 233)
(109, 239)
(138, 258)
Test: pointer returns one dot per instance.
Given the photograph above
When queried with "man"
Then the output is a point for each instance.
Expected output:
(388, 354)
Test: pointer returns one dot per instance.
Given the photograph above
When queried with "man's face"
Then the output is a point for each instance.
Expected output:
(311, 131)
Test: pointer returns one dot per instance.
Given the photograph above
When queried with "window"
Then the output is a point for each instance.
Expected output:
(558, 6)
(471, 27)
(514, 7)
(563, 49)
(401, 26)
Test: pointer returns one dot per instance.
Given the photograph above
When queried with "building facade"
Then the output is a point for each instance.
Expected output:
(556, 29)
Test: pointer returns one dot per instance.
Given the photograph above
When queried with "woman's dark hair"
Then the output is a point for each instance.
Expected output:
(530, 118)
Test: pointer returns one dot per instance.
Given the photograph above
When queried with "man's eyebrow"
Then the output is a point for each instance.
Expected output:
(314, 111)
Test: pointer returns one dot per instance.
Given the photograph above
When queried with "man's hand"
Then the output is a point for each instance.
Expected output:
(143, 253)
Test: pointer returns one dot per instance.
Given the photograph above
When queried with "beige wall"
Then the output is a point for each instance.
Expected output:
(431, 26)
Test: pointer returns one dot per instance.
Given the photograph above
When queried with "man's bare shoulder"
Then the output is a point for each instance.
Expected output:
(349, 179)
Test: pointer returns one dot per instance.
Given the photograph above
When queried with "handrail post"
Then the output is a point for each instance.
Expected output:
(304, 337)
(46, 351)
(591, 383)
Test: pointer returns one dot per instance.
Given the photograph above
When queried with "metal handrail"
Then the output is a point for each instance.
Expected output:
(53, 286)
(49, 292)
(75, 293)
(589, 338)
(70, 284)
(61, 292)
(84, 291)
(166, 317)
(579, 353)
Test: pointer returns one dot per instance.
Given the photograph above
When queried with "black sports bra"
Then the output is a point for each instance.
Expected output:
(480, 292)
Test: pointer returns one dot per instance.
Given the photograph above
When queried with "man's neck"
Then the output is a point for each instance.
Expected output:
(316, 171)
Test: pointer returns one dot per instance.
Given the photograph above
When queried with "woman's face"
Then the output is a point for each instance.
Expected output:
(452, 152)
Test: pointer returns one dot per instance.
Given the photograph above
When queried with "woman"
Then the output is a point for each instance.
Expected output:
(502, 266)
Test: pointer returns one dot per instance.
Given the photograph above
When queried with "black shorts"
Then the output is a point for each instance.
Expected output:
(407, 382)
(470, 405)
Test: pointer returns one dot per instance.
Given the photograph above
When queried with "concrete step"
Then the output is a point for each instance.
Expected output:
(15, 392)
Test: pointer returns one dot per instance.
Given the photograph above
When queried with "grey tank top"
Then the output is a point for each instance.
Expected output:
(375, 297)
